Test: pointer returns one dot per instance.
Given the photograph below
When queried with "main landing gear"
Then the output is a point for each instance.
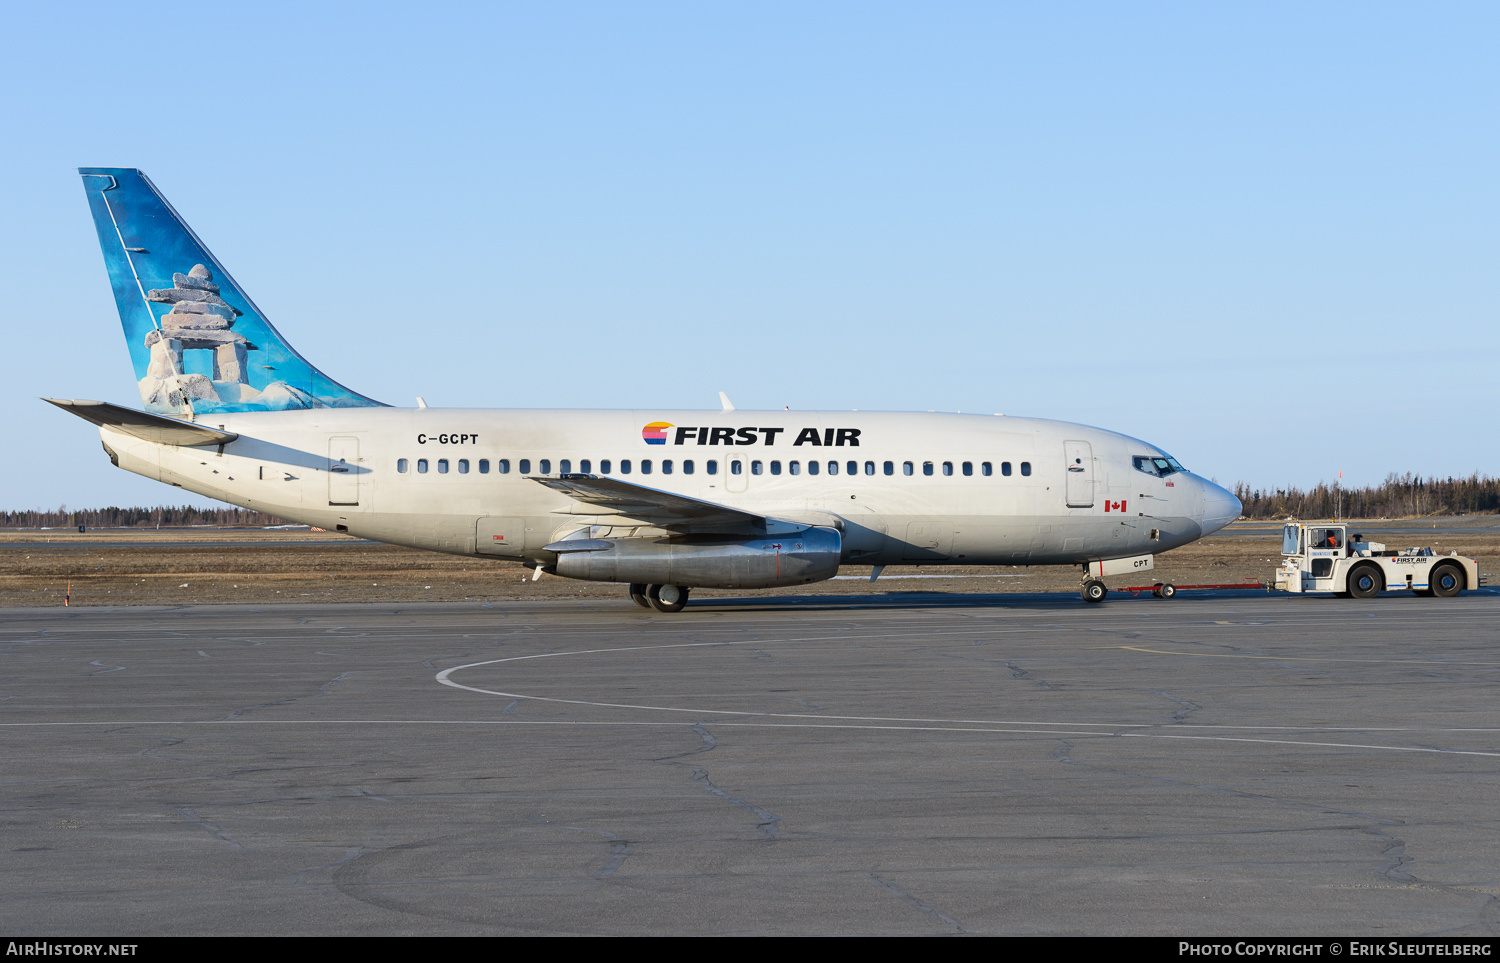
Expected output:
(663, 598)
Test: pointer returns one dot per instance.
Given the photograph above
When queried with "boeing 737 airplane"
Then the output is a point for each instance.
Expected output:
(662, 501)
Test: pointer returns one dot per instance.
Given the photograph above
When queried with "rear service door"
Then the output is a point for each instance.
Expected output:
(343, 470)
(1079, 456)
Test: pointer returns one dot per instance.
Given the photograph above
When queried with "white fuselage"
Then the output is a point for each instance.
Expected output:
(1033, 491)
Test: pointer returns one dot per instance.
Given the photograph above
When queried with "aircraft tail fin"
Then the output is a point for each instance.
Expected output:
(197, 341)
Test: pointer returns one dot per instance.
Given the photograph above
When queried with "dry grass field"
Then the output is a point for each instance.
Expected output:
(198, 566)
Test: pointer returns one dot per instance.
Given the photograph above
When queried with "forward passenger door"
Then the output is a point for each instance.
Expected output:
(1079, 458)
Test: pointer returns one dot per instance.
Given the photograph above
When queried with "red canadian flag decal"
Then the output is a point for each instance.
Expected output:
(1118, 506)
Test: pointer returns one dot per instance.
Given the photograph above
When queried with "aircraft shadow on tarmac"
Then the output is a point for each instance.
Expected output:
(928, 599)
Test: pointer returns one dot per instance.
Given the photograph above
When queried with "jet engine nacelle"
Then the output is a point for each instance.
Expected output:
(703, 561)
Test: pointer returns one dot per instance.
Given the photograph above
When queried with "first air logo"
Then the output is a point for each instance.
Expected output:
(658, 432)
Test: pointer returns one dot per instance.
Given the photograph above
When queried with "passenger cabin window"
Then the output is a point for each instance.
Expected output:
(833, 468)
(586, 466)
(442, 466)
(736, 467)
(546, 466)
(484, 466)
(565, 466)
(907, 468)
(463, 466)
(968, 468)
(890, 468)
(1025, 467)
(525, 466)
(812, 468)
(927, 468)
(713, 467)
(666, 466)
(687, 466)
(775, 467)
(947, 468)
(421, 466)
(986, 469)
(401, 464)
(503, 466)
(645, 466)
(755, 468)
(604, 466)
(1005, 468)
(794, 468)
(624, 466)
(851, 468)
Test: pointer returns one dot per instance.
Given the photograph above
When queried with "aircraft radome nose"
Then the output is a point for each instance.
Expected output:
(1220, 507)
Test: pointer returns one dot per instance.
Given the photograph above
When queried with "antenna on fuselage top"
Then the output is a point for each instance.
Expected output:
(724, 400)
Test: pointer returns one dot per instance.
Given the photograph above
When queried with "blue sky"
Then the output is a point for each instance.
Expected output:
(1263, 236)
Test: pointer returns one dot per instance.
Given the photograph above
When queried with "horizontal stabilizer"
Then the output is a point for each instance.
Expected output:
(611, 496)
(148, 427)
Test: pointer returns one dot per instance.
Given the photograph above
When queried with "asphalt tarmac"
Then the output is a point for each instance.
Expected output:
(1220, 764)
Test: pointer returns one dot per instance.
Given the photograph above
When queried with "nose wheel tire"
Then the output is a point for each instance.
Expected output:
(1094, 591)
(668, 598)
(638, 595)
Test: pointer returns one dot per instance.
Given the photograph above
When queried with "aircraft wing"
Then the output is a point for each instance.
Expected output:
(650, 506)
(149, 427)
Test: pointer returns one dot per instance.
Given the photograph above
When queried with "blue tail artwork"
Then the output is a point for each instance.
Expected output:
(198, 343)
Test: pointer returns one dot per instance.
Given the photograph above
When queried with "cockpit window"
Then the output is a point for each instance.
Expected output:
(1159, 465)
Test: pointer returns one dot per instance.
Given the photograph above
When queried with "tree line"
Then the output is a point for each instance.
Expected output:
(180, 516)
(1400, 496)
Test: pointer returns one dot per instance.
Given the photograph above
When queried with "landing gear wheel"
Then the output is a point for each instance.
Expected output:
(1094, 591)
(638, 595)
(1446, 581)
(668, 598)
(1365, 582)
(1166, 590)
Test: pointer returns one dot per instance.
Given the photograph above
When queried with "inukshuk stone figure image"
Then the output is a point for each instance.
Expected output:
(199, 319)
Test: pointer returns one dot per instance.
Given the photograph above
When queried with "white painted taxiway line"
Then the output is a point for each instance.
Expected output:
(1028, 726)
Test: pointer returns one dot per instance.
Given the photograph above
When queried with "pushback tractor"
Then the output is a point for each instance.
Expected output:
(1326, 558)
